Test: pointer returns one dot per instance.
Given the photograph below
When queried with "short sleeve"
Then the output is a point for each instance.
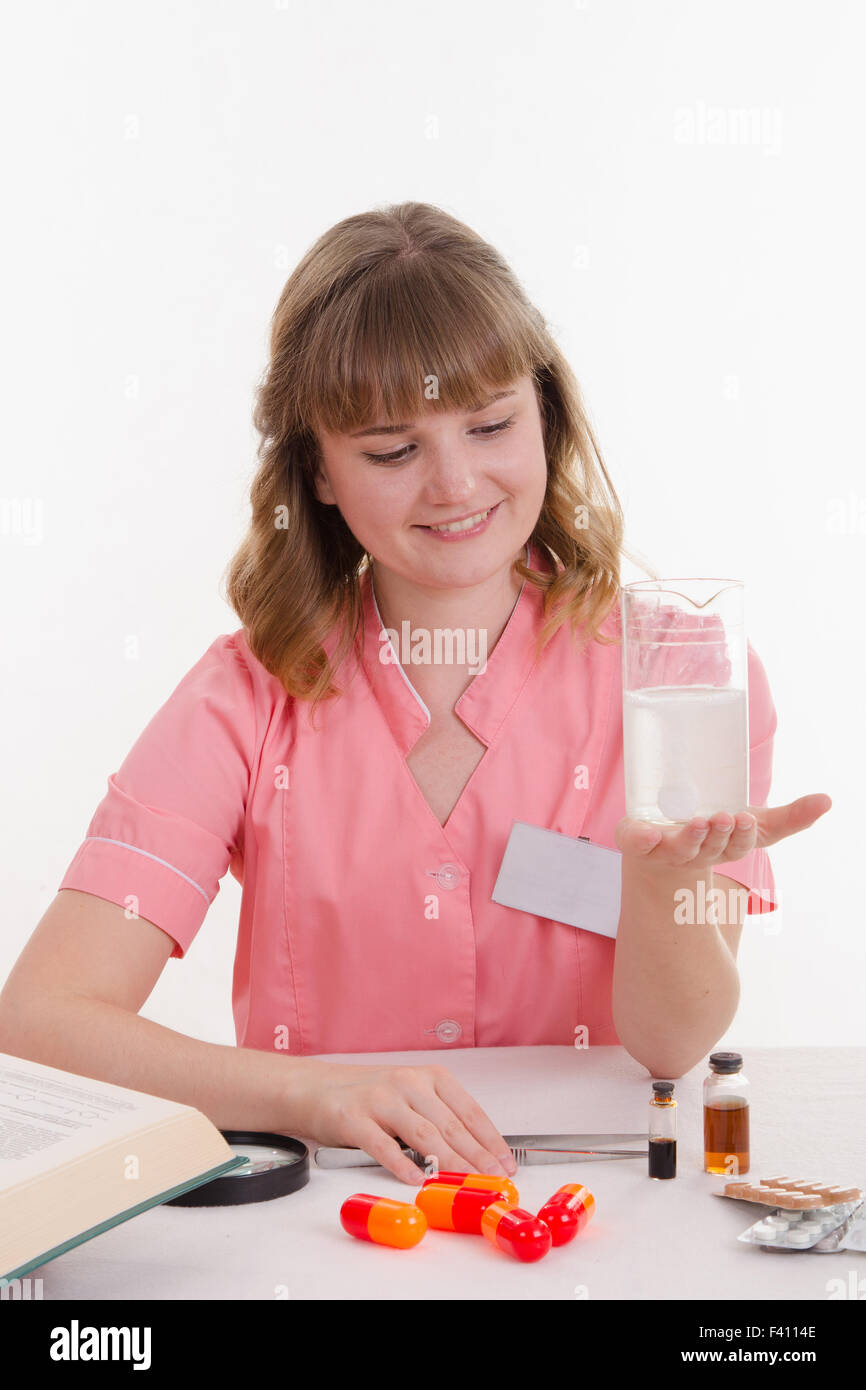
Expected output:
(172, 819)
(754, 870)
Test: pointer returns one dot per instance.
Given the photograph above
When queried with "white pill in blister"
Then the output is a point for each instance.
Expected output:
(780, 1222)
(800, 1236)
(765, 1230)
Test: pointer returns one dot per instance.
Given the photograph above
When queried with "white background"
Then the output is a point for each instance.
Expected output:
(678, 186)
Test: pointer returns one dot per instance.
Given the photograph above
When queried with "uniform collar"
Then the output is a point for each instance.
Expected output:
(485, 703)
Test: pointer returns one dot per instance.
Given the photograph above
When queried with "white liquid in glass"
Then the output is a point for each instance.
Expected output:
(686, 752)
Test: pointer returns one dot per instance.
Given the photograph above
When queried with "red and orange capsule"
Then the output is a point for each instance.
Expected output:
(567, 1212)
(383, 1221)
(516, 1231)
(477, 1179)
(497, 1182)
(459, 1206)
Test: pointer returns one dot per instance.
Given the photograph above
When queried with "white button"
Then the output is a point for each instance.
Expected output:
(447, 1030)
(447, 875)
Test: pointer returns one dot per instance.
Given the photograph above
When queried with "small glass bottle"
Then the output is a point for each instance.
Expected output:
(726, 1116)
(663, 1131)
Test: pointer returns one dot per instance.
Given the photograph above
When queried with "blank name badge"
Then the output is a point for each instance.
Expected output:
(557, 876)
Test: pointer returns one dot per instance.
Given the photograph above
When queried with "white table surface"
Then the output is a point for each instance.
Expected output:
(648, 1240)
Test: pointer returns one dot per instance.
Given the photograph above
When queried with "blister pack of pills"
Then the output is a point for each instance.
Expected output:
(792, 1194)
(822, 1231)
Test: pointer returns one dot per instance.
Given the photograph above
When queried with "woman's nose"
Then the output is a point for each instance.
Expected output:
(449, 477)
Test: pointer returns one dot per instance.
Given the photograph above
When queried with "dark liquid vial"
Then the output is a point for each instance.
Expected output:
(663, 1158)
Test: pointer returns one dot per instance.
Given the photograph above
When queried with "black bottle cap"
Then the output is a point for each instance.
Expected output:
(725, 1061)
(663, 1088)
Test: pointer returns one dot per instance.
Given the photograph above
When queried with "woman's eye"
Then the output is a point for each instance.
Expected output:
(487, 431)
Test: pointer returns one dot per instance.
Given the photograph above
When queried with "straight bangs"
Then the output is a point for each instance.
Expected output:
(413, 335)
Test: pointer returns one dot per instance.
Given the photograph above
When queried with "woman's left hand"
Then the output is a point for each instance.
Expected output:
(702, 842)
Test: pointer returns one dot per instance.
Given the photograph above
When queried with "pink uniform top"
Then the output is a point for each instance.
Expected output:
(365, 925)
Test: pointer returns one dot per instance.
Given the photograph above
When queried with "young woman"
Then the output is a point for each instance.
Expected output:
(429, 653)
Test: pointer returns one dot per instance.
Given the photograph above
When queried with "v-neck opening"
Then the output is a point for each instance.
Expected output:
(464, 694)
(402, 718)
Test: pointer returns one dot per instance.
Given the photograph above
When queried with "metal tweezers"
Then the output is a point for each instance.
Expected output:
(525, 1148)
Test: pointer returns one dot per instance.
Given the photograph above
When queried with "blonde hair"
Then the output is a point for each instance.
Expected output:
(382, 302)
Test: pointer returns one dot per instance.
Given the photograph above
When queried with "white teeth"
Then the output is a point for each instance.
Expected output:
(465, 525)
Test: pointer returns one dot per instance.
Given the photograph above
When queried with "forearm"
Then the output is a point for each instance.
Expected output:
(675, 984)
(237, 1088)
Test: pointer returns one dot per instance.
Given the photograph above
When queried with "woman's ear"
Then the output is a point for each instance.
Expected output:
(324, 491)
(543, 407)
(322, 487)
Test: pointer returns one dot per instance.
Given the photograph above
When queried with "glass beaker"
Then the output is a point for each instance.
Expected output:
(685, 699)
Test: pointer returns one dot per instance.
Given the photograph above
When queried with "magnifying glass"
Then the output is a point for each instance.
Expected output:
(277, 1165)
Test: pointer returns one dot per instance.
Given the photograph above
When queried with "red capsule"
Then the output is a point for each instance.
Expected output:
(382, 1220)
(567, 1212)
(516, 1231)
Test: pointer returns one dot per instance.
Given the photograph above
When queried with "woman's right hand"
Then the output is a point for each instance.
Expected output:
(369, 1107)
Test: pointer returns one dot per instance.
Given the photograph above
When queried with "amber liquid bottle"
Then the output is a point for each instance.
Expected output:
(726, 1116)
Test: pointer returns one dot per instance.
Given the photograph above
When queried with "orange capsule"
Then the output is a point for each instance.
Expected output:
(460, 1206)
(568, 1211)
(516, 1231)
(383, 1221)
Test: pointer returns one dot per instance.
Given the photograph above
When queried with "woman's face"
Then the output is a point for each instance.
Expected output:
(444, 500)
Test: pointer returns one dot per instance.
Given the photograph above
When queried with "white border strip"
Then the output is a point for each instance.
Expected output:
(106, 841)
(396, 661)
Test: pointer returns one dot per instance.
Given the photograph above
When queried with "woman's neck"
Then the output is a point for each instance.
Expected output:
(482, 608)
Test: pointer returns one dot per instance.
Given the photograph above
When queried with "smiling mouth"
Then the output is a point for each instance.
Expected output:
(465, 524)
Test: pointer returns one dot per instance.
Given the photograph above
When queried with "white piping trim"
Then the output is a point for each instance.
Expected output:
(396, 661)
(106, 841)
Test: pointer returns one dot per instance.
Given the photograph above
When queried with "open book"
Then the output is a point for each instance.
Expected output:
(79, 1156)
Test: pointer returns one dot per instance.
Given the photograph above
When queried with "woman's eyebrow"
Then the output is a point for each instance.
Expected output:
(399, 429)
